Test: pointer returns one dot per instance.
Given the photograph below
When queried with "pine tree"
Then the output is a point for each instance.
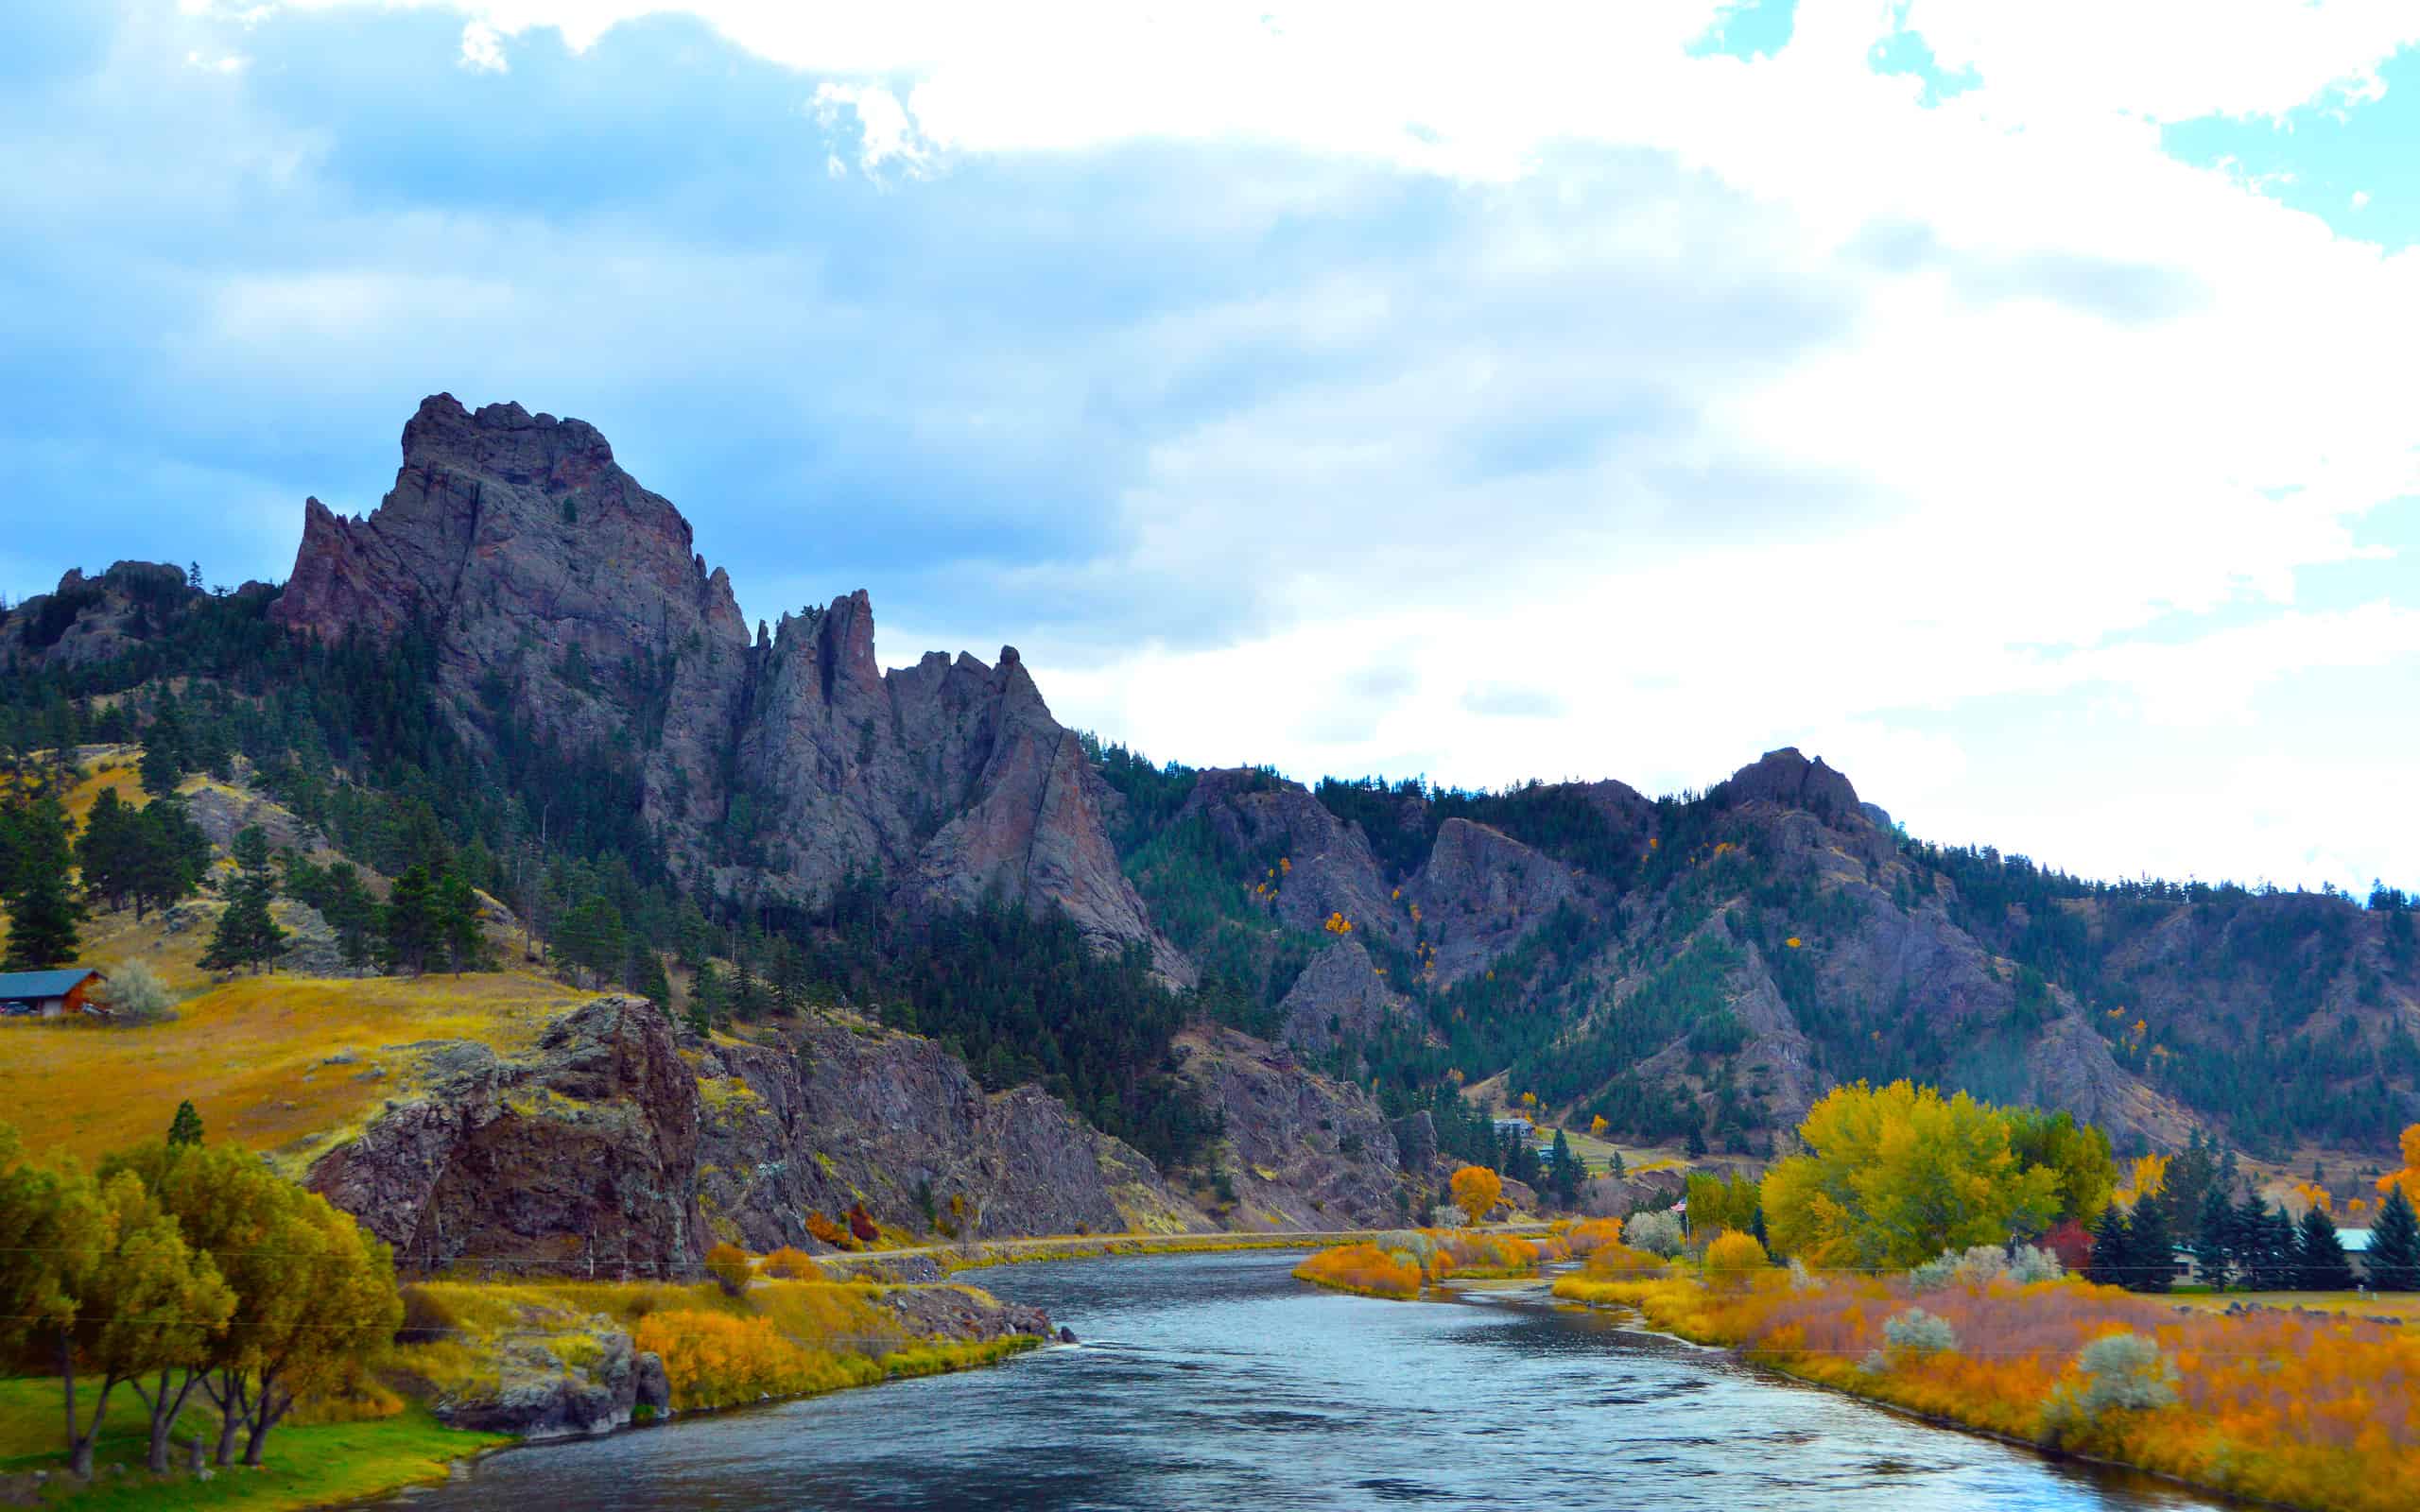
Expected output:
(2214, 1239)
(2394, 1258)
(186, 1127)
(44, 909)
(457, 910)
(2323, 1264)
(2280, 1252)
(2112, 1247)
(247, 935)
(1563, 1172)
(708, 1003)
(408, 924)
(163, 766)
(654, 983)
(2154, 1247)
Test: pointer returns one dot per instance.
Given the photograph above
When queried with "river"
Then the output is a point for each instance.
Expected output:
(1217, 1382)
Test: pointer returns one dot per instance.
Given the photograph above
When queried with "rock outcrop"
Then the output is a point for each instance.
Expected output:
(848, 1113)
(1301, 1151)
(583, 1155)
(1475, 894)
(565, 598)
(1340, 996)
(86, 621)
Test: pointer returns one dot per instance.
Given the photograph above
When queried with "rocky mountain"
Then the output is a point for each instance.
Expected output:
(1708, 966)
(625, 1145)
(565, 604)
(1279, 990)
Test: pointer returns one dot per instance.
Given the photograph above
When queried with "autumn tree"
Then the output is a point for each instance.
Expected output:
(2409, 1178)
(339, 1304)
(1893, 1176)
(1476, 1190)
(729, 1265)
(145, 1301)
(1733, 1257)
(2078, 1154)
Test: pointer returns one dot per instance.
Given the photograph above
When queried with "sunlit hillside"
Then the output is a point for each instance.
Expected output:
(283, 1064)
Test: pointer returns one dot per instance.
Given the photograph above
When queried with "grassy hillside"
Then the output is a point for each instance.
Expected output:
(254, 1055)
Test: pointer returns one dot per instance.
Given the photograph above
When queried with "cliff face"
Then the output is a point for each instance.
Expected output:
(620, 1145)
(566, 598)
(1302, 1151)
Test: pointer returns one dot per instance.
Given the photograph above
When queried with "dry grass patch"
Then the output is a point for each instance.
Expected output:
(252, 1055)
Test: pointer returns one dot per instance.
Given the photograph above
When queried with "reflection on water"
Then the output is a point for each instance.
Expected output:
(1219, 1381)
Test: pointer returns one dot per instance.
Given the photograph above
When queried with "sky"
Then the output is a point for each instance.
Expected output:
(2014, 402)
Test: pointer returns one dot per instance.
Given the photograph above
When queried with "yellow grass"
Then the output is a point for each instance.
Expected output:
(251, 1054)
(2404, 1305)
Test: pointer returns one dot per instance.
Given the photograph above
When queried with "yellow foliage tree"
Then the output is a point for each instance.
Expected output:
(1476, 1190)
(1731, 1258)
(729, 1265)
(1597, 1126)
(1895, 1175)
(2146, 1177)
(2409, 1178)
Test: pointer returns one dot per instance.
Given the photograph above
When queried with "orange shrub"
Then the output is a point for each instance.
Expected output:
(827, 1231)
(730, 1267)
(1364, 1268)
(1618, 1261)
(1589, 1235)
(862, 1225)
(792, 1265)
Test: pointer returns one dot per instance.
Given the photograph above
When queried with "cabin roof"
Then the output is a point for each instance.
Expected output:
(43, 984)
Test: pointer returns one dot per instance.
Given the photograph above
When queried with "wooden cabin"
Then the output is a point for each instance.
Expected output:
(49, 994)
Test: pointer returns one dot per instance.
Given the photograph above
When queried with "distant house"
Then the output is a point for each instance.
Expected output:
(1514, 1124)
(49, 994)
(2357, 1250)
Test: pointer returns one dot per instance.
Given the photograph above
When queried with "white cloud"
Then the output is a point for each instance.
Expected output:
(2361, 199)
(2057, 389)
(483, 48)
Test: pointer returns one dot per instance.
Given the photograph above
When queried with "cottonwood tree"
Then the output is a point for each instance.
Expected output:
(1895, 1175)
(1476, 1189)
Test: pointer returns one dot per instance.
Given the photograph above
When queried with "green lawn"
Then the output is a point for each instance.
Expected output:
(307, 1467)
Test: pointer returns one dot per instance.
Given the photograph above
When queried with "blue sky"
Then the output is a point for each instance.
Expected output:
(2007, 403)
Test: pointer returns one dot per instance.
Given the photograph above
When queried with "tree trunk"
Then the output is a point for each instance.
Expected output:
(80, 1457)
(165, 1409)
(228, 1397)
(267, 1410)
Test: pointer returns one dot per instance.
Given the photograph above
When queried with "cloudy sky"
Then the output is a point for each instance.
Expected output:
(2013, 400)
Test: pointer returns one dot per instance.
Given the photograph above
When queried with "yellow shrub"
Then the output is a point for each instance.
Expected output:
(790, 1263)
(1589, 1235)
(715, 1360)
(1733, 1258)
(1364, 1268)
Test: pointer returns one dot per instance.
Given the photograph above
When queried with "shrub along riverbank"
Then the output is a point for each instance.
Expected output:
(1398, 1265)
(2314, 1412)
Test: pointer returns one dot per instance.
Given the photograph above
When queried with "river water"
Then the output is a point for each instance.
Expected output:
(1217, 1382)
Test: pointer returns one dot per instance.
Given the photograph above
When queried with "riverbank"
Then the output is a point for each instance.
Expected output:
(480, 1365)
(1399, 1263)
(950, 1259)
(2302, 1410)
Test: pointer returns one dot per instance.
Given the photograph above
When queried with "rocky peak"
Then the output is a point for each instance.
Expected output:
(538, 562)
(1789, 779)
